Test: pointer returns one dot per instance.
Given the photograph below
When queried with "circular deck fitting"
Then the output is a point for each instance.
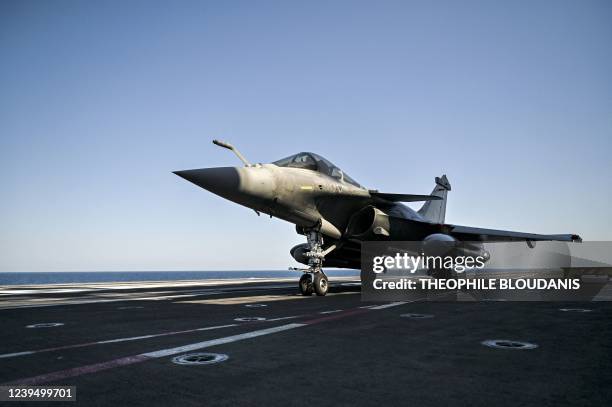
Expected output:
(45, 325)
(256, 305)
(575, 309)
(249, 319)
(199, 358)
(508, 344)
(416, 316)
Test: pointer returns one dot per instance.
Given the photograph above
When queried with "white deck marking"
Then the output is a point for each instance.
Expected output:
(283, 318)
(391, 305)
(135, 338)
(331, 312)
(221, 341)
(10, 355)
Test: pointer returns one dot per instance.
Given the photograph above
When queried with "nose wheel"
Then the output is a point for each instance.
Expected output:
(314, 282)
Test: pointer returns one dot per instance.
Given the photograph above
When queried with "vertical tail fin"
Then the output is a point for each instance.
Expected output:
(435, 211)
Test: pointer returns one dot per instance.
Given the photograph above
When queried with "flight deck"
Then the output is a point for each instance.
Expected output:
(257, 342)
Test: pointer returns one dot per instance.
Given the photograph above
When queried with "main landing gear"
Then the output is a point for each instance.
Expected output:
(313, 279)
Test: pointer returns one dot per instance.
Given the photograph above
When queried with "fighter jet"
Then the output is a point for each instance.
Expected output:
(336, 214)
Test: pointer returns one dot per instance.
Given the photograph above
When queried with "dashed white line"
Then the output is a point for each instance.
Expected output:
(331, 312)
(283, 318)
(10, 355)
(390, 305)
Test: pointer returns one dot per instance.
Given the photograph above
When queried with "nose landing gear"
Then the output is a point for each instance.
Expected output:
(314, 279)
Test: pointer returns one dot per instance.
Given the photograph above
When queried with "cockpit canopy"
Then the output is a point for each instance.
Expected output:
(314, 162)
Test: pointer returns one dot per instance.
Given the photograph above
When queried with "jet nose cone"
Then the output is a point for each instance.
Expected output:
(222, 181)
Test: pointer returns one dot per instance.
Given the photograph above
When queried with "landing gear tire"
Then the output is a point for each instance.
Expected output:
(306, 285)
(321, 284)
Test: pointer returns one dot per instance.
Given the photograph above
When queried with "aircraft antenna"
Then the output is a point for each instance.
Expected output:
(234, 149)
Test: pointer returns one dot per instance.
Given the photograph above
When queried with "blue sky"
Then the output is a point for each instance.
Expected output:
(100, 101)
